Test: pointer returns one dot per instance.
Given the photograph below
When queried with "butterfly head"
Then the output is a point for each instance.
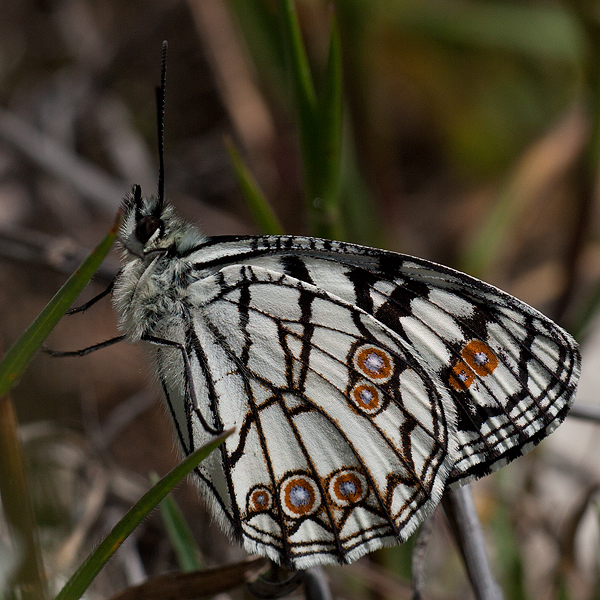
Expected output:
(151, 227)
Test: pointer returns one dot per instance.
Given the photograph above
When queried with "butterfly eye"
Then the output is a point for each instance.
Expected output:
(146, 227)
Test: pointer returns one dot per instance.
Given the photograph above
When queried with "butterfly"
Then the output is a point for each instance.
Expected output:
(361, 383)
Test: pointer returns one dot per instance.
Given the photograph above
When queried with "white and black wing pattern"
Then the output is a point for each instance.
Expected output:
(361, 382)
(344, 439)
(511, 371)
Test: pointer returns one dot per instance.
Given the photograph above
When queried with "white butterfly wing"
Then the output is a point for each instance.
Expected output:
(343, 439)
(506, 405)
(361, 383)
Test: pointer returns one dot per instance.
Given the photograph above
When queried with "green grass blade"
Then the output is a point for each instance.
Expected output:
(303, 95)
(81, 579)
(509, 558)
(29, 578)
(319, 123)
(262, 212)
(359, 210)
(21, 352)
(299, 71)
(189, 557)
(578, 323)
(486, 243)
(327, 153)
(330, 104)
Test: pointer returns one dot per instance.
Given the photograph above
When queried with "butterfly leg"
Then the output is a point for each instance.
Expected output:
(95, 299)
(83, 351)
(188, 376)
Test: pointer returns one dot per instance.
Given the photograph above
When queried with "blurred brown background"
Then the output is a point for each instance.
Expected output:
(471, 139)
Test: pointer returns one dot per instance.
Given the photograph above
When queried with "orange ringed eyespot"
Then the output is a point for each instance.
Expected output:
(260, 499)
(461, 377)
(365, 396)
(347, 487)
(374, 363)
(299, 496)
(480, 357)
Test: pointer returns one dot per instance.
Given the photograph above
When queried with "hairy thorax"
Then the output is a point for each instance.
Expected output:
(151, 295)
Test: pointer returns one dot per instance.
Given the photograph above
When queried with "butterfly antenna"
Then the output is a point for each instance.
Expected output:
(160, 115)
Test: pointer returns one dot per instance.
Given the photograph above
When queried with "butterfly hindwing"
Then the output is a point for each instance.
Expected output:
(343, 437)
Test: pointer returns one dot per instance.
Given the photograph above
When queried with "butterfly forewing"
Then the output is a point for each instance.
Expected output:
(512, 375)
(360, 382)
